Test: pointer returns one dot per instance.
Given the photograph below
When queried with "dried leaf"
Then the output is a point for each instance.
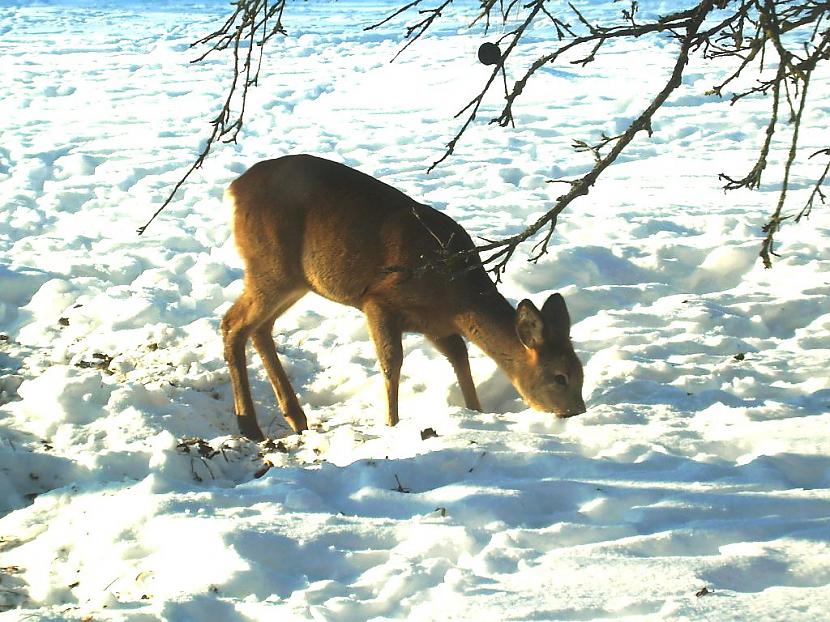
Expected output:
(266, 466)
(428, 433)
(400, 487)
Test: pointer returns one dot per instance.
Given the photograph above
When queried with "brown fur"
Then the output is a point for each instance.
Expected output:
(302, 223)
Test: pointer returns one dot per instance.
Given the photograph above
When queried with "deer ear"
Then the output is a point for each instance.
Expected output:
(530, 327)
(556, 316)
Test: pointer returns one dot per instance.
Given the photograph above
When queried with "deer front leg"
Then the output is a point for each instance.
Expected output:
(386, 333)
(454, 348)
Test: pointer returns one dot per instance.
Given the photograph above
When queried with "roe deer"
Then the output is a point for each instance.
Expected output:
(302, 224)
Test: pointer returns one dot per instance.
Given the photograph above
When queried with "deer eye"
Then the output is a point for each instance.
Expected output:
(561, 380)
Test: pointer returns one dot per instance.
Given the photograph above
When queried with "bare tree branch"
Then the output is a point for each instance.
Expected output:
(504, 249)
(771, 228)
(475, 103)
(255, 22)
(753, 179)
(816, 191)
(793, 33)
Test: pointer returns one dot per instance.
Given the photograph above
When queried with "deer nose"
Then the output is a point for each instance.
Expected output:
(574, 411)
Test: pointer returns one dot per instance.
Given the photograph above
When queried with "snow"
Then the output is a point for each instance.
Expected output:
(125, 493)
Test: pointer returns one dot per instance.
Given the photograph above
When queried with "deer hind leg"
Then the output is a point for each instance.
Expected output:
(454, 348)
(385, 329)
(246, 315)
(264, 343)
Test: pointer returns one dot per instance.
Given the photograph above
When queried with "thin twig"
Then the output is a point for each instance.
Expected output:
(503, 250)
(816, 191)
(744, 31)
(774, 224)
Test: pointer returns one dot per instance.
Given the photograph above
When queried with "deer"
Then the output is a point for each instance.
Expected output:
(303, 224)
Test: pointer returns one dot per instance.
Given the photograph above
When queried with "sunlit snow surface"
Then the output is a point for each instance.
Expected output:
(691, 468)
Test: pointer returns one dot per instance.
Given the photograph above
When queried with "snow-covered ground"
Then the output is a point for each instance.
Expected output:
(125, 493)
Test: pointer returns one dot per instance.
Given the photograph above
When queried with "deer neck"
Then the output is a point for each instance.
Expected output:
(490, 323)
